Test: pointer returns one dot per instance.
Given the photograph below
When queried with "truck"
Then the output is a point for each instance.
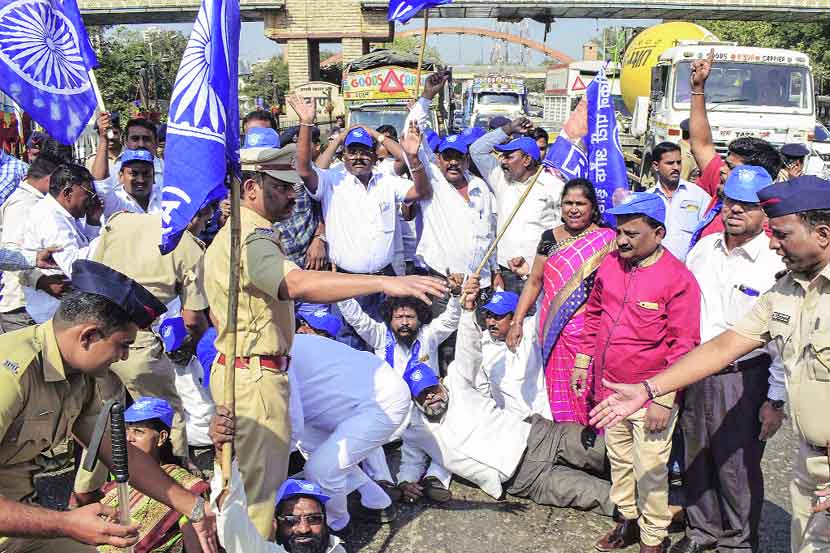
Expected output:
(378, 87)
(762, 92)
(489, 96)
(566, 83)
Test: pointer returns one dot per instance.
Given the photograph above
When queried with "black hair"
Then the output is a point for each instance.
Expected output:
(66, 175)
(587, 188)
(390, 305)
(815, 217)
(756, 151)
(82, 307)
(143, 123)
(663, 148)
(388, 130)
(260, 115)
(539, 132)
(43, 166)
(59, 151)
(166, 456)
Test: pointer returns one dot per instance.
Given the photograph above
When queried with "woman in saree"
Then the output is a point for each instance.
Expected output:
(161, 529)
(566, 262)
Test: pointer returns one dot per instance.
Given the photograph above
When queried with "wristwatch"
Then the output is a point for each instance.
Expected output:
(198, 511)
(381, 138)
(777, 404)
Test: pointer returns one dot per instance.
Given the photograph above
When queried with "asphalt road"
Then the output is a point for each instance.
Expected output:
(474, 523)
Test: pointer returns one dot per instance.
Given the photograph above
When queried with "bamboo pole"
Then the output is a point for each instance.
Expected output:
(418, 87)
(100, 99)
(229, 399)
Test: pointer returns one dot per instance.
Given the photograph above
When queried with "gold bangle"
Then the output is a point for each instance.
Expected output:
(582, 361)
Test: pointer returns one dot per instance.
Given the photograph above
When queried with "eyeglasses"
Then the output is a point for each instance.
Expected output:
(92, 193)
(314, 519)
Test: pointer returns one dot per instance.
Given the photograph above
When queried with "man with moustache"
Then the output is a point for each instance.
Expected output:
(643, 314)
(137, 191)
(728, 417)
(685, 202)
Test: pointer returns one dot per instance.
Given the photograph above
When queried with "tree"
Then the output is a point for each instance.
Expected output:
(138, 66)
(811, 38)
(268, 80)
(412, 45)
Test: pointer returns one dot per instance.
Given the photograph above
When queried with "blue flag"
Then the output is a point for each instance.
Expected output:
(45, 58)
(567, 158)
(203, 129)
(404, 10)
(606, 164)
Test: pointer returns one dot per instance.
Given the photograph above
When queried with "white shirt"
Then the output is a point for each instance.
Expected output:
(360, 220)
(542, 210)
(683, 212)
(15, 214)
(118, 199)
(430, 336)
(111, 182)
(725, 278)
(51, 225)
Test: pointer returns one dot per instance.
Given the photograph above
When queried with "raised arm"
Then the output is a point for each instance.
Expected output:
(530, 293)
(324, 160)
(101, 165)
(700, 133)
(307, 114)
(370, 331)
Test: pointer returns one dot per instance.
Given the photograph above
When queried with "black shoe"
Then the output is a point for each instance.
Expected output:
(435, 491)
(685, 545)
(377, 516)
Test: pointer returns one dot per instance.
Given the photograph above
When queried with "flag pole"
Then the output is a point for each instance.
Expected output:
(229, 399)
(421, 54)
(100, 99)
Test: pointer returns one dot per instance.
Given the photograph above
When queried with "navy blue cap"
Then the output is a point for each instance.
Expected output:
(359, 136)
(804, 193)
(262, 137)
(471, 134)
(453, 142)
(498, 122)
(525, 144)
(744, 182)
(321, 319)
(684, 125)
(139, 154)
(433, 139)
(300, 488)
(419, 377)
(795, 150)
(96, 278)
(502, 303)
(173, 333)
(147, 408)
(641, 203)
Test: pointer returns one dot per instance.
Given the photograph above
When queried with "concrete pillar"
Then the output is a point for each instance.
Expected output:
(299, 70)
(354, 48)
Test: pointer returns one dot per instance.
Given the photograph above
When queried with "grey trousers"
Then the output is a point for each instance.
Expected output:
(15, 320)
(565, 466)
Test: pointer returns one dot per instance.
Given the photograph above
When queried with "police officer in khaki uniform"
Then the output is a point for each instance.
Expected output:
(129, 244)
(265, 323)
(795, 314)
(48, 396)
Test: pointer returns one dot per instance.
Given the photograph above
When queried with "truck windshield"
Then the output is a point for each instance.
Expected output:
(750, 84)
(490, 99)
(374, 119)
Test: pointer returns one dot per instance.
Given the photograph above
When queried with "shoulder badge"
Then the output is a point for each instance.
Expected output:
(264, 231)
(12, 366)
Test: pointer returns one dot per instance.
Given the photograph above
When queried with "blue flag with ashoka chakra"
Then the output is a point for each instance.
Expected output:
(404, 10)
(203, 125)
(45, 58)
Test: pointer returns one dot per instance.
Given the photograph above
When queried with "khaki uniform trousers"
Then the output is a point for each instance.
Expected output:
(639, 476)
(809, 532)
(31, 545)
(146, 372)
(262, 435)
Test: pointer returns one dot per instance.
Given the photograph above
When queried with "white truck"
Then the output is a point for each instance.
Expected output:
(488, 97)
(761, 92)
(566, 83)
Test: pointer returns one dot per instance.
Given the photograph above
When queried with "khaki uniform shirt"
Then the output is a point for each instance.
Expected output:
(41, 405)
(129, 243)
(688, 165)
(795, 314)
(265, 324)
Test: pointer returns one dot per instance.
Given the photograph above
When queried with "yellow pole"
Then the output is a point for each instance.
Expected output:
(421, 55)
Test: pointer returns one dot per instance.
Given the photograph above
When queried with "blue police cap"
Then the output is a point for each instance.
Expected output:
(147, 408)
(419, 377)
(321, 319)
(173, 333)
(139, 154)
(498, 122)
(300, 488)
(96, 278)
(794, 150)
(641, 203)
(805, 193)
(454, 142)
(684, 125)
(525, 144)
(262, 137)
(744, 182)
(502, 303)
(471, 134)
(360, 136)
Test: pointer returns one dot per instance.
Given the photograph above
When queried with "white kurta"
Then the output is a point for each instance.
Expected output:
(15, 214)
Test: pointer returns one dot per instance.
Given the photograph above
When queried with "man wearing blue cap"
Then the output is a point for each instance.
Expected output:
(643, 313)
(792, 314)
(318, 321)
(728, 417)
(794, 160)
(48, 396)
(508, 177)
(137, 191)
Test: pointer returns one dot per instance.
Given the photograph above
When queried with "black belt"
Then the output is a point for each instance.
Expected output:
(762, 361)
(386, 271)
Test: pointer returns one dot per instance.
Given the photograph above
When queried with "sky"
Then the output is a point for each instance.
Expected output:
(566, 35)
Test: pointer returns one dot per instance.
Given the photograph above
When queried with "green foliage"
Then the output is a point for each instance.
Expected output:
(268, 80)
(137, 66)
(811, 38)
(412, 45)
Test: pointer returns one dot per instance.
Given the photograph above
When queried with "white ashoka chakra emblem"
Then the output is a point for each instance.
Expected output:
(41, 46)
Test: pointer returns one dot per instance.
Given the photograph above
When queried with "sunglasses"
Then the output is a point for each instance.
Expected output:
(314, 519)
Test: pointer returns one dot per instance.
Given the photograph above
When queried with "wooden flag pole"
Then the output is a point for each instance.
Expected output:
(229, 399)
(99, 99)
(421, 55)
